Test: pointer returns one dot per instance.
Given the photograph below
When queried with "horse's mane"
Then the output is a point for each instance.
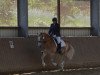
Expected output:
(48, 36)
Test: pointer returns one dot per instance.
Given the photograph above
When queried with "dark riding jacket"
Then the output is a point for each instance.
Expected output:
(54, 30)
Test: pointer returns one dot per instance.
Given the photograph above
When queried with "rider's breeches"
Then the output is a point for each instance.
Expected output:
(58, 39)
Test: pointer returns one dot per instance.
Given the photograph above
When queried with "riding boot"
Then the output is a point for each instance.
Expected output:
(59, 48)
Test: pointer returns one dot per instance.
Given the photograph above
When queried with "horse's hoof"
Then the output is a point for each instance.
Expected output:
(55, 64)
(61, 70)
(43, 64)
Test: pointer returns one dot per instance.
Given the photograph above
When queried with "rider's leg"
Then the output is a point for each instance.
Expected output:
(58, 44)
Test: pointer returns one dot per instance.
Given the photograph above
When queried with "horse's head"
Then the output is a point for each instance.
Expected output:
(42, 38)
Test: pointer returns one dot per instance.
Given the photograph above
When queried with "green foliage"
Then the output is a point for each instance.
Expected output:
(41, 12)
(7, 16)
(74, 13)
(43, 4)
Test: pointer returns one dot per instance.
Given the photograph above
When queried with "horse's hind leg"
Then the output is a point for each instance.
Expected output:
(42, 58)
(62, 63)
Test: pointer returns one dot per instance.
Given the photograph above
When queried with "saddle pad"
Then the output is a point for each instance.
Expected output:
(62, 43)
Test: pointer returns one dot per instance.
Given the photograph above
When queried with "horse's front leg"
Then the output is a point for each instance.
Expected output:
(42, 58)
(62, 65)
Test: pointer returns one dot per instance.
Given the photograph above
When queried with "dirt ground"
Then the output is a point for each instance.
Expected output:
(83, 71)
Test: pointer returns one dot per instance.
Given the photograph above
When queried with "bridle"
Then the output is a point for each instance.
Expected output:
(41, 39)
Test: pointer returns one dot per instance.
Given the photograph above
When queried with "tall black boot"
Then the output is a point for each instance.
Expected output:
(59, 48)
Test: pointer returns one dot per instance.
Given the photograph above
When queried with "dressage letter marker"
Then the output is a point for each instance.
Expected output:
(11, 44)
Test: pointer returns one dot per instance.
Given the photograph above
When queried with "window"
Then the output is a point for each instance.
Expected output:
(75, 13)
(8, 13)
(41, 12)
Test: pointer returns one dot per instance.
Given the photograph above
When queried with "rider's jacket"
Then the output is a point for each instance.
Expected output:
(54, 30)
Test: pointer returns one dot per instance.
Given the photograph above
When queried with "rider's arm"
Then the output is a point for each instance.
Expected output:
(50, 30)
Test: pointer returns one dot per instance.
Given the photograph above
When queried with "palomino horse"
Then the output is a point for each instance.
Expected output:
(49, 48)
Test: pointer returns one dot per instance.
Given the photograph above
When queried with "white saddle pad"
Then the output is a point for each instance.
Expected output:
(62, 43)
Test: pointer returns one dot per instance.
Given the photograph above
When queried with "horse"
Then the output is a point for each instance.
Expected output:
(49, 48)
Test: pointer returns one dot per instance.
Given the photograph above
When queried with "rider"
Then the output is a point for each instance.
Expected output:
(54, 31)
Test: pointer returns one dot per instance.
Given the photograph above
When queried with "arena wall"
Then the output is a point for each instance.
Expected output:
(23, 54)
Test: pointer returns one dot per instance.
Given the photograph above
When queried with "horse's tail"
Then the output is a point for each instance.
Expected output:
(70, 52)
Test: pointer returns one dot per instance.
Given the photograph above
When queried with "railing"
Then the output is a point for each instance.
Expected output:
(68, 31)
(8, 31)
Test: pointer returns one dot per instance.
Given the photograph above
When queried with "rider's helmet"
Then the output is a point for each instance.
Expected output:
(54, 19)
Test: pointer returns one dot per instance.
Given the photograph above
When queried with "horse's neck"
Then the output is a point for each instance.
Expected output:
(51, 39)
(50, 42)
